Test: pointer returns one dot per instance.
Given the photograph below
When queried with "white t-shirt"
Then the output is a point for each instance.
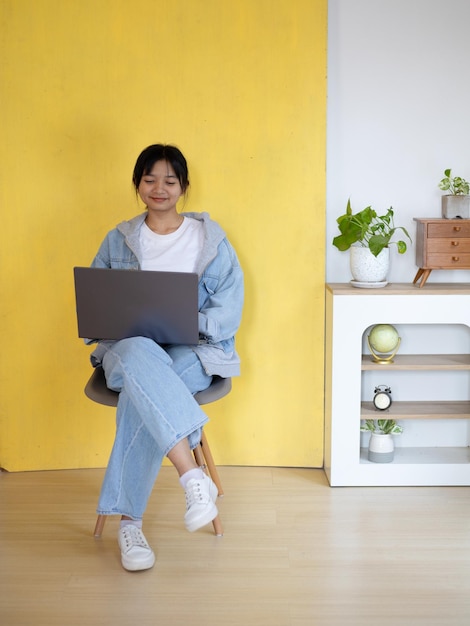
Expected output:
(176, 252)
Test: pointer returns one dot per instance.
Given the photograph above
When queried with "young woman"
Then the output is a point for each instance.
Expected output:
(157, 415)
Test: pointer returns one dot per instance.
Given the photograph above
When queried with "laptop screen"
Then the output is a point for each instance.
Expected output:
(115, 304)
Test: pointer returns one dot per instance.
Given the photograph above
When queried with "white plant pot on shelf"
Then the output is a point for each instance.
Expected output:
(454, 207)
(381, 448)
(368, 270)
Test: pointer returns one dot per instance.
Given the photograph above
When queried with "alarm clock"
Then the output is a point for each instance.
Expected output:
(382, 398)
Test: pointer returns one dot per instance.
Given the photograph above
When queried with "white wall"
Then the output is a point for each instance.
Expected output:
(398, 114)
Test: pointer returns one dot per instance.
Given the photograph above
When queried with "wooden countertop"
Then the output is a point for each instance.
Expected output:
(408, 289)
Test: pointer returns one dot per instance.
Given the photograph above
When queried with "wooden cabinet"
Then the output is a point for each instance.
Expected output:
(441, 244)
(349, 313)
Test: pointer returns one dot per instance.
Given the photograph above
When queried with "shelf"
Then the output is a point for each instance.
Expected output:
(349, 313)
(400, 289)
(425, 456)
(428, 362)
(418, 410)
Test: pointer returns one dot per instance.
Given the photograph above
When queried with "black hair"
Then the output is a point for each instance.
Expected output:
(161, 152)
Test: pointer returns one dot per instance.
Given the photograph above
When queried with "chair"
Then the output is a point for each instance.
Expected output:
(97, 391)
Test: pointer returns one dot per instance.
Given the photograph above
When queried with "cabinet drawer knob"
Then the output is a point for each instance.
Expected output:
(457, 228)
(455, 243)
(455, 258)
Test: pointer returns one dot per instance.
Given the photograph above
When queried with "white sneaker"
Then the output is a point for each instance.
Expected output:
(136, 554)
(201, 493)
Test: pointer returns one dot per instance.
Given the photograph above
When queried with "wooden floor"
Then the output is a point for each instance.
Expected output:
(295, 553)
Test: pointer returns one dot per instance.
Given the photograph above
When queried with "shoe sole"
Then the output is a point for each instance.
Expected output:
(207, 516)
(131, 566)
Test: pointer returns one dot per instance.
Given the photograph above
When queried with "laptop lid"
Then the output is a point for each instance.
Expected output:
(115, 304)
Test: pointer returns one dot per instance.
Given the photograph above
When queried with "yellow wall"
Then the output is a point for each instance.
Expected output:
(240, 86)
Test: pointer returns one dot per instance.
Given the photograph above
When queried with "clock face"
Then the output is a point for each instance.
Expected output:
(382, 400)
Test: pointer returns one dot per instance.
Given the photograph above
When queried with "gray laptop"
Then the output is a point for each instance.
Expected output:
(115, 304)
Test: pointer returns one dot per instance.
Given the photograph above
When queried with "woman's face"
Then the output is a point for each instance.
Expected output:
(160, 189)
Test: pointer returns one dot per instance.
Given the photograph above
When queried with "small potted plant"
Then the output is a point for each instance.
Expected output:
(368, 236)
(381, 446)
(456, 203)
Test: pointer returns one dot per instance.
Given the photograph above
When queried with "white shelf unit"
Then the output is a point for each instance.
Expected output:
(349, 312)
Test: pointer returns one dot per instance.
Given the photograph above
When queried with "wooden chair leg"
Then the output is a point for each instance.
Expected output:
(218, 528)
(100, 522)
(199, 457)
(204, 458)
(211, 466)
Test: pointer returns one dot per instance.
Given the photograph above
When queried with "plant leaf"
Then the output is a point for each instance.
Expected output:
(377, 243)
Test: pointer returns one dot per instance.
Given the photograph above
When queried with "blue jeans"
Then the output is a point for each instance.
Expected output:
(155, 411)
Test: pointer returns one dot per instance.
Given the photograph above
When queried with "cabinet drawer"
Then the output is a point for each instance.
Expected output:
(451, 245)
(449, 230)
(448, 261)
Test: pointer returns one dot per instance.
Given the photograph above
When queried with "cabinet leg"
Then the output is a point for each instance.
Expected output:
(424, 275)
(419, 273)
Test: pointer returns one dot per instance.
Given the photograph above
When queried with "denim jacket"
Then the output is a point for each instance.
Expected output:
(220, 291)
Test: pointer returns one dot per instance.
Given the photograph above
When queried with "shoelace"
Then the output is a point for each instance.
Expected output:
(134, 537)
(194, 494)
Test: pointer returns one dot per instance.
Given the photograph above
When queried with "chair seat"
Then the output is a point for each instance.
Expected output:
(97, 390)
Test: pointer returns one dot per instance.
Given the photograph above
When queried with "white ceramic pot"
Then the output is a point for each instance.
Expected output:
(381, 448)
(367, 268)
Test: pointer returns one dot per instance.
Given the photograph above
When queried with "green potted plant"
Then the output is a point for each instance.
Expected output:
(369, 236)
(381, 446)
(456, 203)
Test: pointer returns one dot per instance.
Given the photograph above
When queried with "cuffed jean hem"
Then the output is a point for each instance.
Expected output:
(114, 512)
(193, 436)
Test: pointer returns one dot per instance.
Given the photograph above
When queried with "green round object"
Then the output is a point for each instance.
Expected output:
(384, 338)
